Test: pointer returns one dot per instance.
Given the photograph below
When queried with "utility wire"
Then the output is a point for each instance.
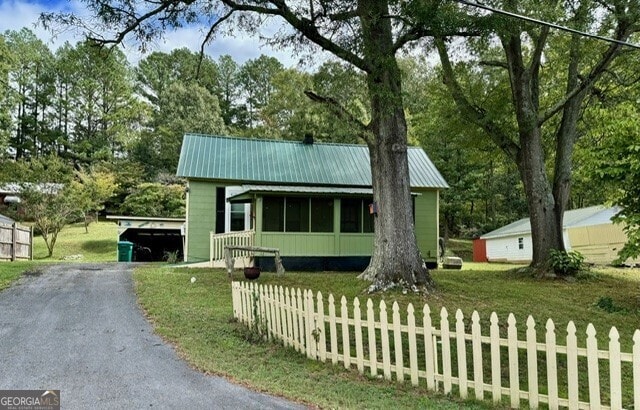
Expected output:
(545, 23)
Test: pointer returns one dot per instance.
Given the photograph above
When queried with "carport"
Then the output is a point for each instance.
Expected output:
(153, 238)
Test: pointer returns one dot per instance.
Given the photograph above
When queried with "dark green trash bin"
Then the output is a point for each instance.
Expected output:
(125, 251)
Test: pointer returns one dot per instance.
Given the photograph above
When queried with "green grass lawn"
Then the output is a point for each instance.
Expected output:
(11, 271)
(196, 318)
(460, 247)
(99, 245)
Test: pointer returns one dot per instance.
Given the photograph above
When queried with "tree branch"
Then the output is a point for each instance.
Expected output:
(342, 113)
(595, 73)
(474, 114)
(416, 33)
(494, 63)
(208, 38)
(137, 21)
(305, 26)
(534, 68)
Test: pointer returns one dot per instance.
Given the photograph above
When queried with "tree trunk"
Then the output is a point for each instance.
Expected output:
(396, 259)
(546, 223)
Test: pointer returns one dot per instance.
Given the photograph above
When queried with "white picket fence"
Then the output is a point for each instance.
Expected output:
(218, 241)
(443, 357)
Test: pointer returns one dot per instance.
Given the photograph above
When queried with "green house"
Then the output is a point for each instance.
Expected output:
(312, 201)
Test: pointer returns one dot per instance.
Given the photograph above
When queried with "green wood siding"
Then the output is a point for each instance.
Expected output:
(300, 243)
(426, 217)
(201, 219)
(353, 244)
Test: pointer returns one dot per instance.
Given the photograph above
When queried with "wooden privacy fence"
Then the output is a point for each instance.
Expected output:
(15, 242)
(218, 241)
(449, 360)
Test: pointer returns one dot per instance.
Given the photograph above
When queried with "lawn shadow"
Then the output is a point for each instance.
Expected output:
(99, 246)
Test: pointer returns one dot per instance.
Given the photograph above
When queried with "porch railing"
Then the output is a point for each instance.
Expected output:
(219, 240)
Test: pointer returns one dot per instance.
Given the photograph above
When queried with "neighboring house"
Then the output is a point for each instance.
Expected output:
(587, 230)
(5, 220)
(311, 201)
(9, 194)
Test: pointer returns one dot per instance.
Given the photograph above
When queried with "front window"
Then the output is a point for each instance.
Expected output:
(273, 214)
(238, 216)
(297, 214)
(321, 214)
(355, 216)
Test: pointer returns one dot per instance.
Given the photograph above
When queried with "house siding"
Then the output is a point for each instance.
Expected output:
(600, 243)
(201, 219)
(427, 223)
(506, 249)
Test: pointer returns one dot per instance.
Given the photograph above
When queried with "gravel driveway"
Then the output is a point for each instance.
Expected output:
(78, 328)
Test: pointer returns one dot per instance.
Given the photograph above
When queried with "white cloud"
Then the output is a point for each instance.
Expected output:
(16, 14)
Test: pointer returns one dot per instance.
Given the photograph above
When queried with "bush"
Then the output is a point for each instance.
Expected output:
(607, 304)
(566, 263)
(155, 200)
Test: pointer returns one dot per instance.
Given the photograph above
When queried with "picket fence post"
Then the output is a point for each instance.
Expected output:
(496, 377)
(357, 325)
(320, 325)
(384, 340)
(300, 319)
(333, 331)
(572, 365)
(429, 348)
(592, 367)
(446, 350)
(476, 342)
(309, 325)
(397, 342)
(552, 366)
(346, 346)
(514, 375)
(532, 363)
(615, 371)
(413, 348)
(373, 354)
(461, 350)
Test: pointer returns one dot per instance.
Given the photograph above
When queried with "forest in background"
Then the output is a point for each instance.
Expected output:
(83, 114)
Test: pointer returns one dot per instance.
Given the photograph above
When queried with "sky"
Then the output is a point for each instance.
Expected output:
(16, 14)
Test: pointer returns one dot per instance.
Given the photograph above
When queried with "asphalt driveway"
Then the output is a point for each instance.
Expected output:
(78, 328)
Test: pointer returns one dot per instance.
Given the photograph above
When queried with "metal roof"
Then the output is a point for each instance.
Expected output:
(5, 220)
(291, 162)
(593, 215)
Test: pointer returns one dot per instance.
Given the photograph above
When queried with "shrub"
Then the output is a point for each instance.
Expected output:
(566, 263)
(153, 199)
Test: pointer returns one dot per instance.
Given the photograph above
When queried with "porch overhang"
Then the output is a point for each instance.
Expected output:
(249, 191)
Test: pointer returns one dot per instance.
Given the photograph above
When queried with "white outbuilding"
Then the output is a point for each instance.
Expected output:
(589, 231)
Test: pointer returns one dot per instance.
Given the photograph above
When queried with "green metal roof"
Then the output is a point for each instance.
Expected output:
(291, 162)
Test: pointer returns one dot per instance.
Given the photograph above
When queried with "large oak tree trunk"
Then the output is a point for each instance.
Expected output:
(396, 259)
(544, 213)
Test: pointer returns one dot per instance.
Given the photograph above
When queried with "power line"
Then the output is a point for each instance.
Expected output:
(545, 23)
